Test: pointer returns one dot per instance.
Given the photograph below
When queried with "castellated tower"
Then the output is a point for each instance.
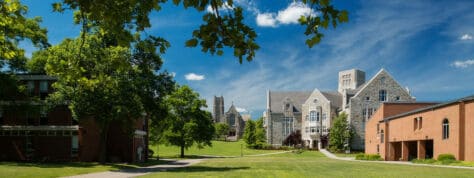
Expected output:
(218, 110)
(350, 79)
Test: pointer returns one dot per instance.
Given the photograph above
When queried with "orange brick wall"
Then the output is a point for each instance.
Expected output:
(469, 145)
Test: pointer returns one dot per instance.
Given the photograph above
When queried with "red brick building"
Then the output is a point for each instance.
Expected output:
(29, 132)
(405, 131)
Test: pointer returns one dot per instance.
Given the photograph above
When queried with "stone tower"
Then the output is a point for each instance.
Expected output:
(218, 110)
(350, 79)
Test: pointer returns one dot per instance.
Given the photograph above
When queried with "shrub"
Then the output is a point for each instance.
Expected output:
(446, 157)
(368, 157)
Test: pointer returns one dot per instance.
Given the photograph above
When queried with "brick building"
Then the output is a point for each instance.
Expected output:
(405, 131)
(29, 131)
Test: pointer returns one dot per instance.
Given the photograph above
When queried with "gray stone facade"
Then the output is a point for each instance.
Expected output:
(232, 117)
(357, 98)
(283, 115)
(381, 88)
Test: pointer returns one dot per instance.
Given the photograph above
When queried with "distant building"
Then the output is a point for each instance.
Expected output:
(312, 112)
(30, 132)
(232, 118)
(283, 115)
(406, 131)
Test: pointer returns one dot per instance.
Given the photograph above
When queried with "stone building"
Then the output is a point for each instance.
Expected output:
(318, 111)
(363, 101)
(405, 131)
(312, 112)
(232, 118)
(283, 115)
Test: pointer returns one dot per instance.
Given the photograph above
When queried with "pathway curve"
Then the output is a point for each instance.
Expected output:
(332, 156)
(124, 173)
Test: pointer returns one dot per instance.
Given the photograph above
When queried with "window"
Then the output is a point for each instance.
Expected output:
(420, 122)
(30, 85)
(378, 128)
(397, 98)
(288, 126)
(74, 145)
(312, 116)
(415, 123)
(445, 129)
(318, 129)
(381, 136)
(313, 129)
(367, 98)
(369, 112)
(44, 86)
(378, 148)
(317, 116)
(383, 95)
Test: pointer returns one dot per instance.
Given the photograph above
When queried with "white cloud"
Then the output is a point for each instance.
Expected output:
(240, 109)
(266, 20)
(293, 12)
(290, 15)
(193, 76)
(173, 74)
(466, 37)
(463, 64)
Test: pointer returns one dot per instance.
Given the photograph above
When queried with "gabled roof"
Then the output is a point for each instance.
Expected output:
(362, 87)
(334, 97)
(468, 98)
(277, 99)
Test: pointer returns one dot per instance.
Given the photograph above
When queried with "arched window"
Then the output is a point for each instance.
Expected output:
(381, 136)
(383, 95)
(445, 129)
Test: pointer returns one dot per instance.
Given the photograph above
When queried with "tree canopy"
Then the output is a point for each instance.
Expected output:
(125, 19)
(187, 124)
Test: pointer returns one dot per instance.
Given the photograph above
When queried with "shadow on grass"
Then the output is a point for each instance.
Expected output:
(114, 166)
(182, 169)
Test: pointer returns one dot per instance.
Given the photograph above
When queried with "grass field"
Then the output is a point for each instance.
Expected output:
(219, 148)
(306, 164)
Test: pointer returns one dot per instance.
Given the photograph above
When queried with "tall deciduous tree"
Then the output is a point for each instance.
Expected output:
(107, 83)
(15, 27)
(249, 134)
(221, 28)
(187, 123)
(340, 133)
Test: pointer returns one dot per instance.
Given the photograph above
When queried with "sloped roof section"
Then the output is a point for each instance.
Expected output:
(335, 98)
(277, 99)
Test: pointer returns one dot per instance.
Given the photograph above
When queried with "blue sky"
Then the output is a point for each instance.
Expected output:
(427, 46)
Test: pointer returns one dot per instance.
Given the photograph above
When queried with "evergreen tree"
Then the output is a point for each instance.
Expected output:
(340, 133)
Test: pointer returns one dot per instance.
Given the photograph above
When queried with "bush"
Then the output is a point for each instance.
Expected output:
(446, 157)
(368, 157)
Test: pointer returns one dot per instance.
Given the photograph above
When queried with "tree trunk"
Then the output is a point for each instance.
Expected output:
(182, 150)
(103, 143)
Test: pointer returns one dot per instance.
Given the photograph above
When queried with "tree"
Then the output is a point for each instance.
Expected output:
(102, 82)
(340, 133)
(249, 134)
(125, 19)
(254, 134)
(222, 130)
(187, 123)
(15, 27)
(293, 139)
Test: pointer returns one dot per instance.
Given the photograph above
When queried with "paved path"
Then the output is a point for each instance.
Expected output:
(332, 156)
(124, 173)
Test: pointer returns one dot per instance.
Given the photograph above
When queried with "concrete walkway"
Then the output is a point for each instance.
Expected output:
(332, 156)
(124, 173)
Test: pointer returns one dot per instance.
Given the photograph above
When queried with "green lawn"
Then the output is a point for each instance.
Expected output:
(11, 169)
(307, 164)
(219, 148)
